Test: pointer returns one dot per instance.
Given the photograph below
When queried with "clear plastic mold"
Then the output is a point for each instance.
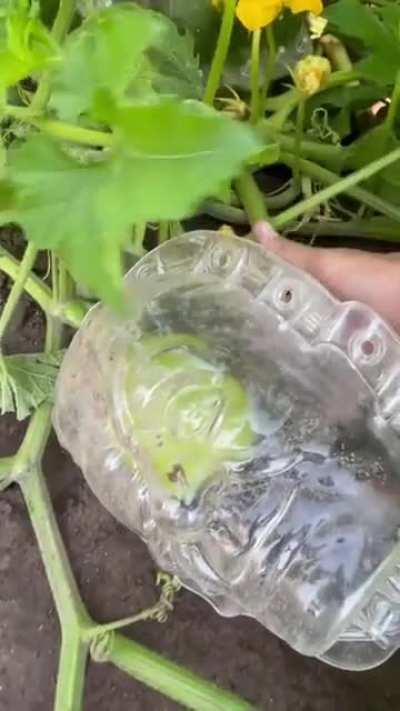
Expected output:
(247, 426)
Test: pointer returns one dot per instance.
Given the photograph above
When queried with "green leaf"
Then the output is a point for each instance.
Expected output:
(197, 16)
(173, 155)
(26, 381)
(102, 54)
(123, 49)
(168, 157)
(169, 68)
(357, 20)
(74, 207)
(390, 15)
(370, 146)
(351, 97)
(25, 44)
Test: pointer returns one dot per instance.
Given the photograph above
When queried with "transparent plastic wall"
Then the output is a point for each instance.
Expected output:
(247, 426)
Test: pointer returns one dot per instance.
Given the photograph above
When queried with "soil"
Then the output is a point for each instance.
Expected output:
(116, 576)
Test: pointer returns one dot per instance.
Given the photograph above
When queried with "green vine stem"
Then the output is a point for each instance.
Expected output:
(71, 312)
(71, 671)
(64, 17)
(271, 58)
(349, 184)
(221, 51)
(340, 186)
(17, 288)
(60, 28)
(326, 153)
(251, 198)
(234, 214)
(300, 120)
(61, 579)
(276, 103)
(336, 53)
(60, 129)
(255, 105)
(33, 284)
(377, 228)
(70, 609)
(6, 472)
(179, 684)
(368, 229)
(278, 120)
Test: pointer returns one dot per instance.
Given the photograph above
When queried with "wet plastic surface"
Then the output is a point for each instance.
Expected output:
(247, 426)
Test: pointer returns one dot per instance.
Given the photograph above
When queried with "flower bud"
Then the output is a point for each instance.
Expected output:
(312, 74)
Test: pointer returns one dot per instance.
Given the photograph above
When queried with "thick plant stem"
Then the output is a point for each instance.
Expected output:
(34, 442)
(170, 679)
(18, 287)
(231, 213)
(76, 134)
(279, 118)
(251, 197)
(73, 616)
(33, 285)
(368, 229)
(300, 118)
(62, 22)
(341, 186)
(271, 58)
(327, 177)
(60, 28)
(61, 580)
(255, 76)
(71, 672)
(70, 312)
(60, 129)
(325, 153)
(6, 472)
(221, 52)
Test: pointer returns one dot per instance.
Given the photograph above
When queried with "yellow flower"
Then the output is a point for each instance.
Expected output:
(255, 14)
(312, 74)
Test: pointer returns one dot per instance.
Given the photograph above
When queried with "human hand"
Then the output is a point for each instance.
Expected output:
(350, 274)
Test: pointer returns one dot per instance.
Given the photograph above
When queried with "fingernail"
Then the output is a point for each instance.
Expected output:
(265, 233)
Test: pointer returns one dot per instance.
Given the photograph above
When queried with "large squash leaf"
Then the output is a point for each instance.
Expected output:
(375, 31)
(168, 157)
(124, 49)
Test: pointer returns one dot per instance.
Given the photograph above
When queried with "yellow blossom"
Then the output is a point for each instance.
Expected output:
(312, 74)
(255, 14)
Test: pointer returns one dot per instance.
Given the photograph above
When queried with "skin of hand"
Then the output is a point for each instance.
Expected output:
(350, 274)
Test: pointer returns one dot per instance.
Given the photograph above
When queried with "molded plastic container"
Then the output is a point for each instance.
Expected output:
(247, 426)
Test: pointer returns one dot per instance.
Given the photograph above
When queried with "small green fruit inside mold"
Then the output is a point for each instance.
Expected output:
(188, 415)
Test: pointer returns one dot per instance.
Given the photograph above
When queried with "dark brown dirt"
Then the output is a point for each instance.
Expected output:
(116, 576)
